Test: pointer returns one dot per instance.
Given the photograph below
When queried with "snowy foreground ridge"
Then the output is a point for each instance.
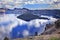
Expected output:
(13, 27)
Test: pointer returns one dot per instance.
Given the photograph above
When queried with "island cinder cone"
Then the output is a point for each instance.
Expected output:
(29, 16)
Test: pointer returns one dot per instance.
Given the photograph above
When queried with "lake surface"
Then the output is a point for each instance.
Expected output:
(13, 27)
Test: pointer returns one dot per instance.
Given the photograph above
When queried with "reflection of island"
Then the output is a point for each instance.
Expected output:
(29, 16)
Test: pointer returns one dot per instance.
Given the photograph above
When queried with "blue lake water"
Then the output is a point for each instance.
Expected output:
(18, 28)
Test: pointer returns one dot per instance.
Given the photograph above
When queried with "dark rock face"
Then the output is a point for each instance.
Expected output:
(29, 16)
(50, 28)
(57, 24)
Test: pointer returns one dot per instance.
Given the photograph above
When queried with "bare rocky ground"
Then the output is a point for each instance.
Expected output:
(42, 37)
(52, 28)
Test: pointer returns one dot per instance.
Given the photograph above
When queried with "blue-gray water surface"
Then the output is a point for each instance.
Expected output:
(13, 27)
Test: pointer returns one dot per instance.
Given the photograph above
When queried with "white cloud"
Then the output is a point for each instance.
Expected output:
(53, 19)
(12, 25)
(41, 1)
(37, 22)
(30, 2)
(50, 18)
(25, 33)
(2, 29)
(7, 17)
(13, 22)
(5, 30)
(20, 3)
(55, 0)
(21, 22)
(9, 6)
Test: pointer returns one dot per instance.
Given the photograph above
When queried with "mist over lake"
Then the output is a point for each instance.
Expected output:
(13, 27)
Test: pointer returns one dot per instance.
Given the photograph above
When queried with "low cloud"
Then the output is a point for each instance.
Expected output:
(25, 33)
(11, 22)
(7, 23)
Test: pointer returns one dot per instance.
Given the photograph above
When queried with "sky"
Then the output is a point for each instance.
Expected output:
(30, 4)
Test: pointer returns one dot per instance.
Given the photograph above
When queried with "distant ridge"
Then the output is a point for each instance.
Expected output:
(47, 12)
